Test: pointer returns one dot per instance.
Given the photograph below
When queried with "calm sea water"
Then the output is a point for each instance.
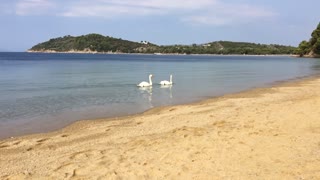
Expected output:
(42, 92)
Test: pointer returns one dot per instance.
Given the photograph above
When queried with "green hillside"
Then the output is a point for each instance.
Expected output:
(99, 43)
(311, 48)
(228, 47)
(90, 42)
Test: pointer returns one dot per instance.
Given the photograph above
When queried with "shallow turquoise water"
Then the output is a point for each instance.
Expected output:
(42, 92)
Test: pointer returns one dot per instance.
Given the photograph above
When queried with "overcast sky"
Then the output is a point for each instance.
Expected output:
(25, 23)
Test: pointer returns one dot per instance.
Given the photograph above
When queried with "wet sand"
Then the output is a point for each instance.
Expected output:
(269, 133)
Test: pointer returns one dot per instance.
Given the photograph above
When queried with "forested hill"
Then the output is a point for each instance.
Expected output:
(105, 44)
(89, 43)
(311, 48)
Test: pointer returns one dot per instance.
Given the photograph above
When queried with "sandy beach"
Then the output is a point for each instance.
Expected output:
(267, 133)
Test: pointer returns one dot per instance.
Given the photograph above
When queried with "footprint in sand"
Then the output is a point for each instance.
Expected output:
(85, 154)
(4, 146)
(17, 143)
(43, 140)
(220, 124)
(14, 143)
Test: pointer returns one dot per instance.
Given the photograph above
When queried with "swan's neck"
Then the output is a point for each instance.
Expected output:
(150, 80)
(171, 78)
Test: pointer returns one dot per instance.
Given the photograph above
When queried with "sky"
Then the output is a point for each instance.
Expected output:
(25, 23)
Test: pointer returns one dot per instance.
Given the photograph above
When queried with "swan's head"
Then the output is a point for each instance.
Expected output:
(150, 75)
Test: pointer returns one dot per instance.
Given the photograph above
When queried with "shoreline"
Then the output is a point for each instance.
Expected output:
(157, 54)
(256, 132)
(208, 98)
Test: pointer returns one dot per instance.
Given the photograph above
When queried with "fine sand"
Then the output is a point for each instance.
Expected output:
(271, 133)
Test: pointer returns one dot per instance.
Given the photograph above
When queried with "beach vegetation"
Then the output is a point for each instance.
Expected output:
(310, 48)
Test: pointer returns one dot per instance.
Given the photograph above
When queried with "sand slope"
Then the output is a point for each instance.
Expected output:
(271, 133)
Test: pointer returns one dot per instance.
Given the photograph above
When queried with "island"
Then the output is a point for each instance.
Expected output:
(96, 43)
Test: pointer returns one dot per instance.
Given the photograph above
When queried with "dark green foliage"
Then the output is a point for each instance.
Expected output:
(313, 46)
(92, 42)
(99, 43)
(227, 47)
(58, 44)
(316, 49)
(303, 48)
(315, 35)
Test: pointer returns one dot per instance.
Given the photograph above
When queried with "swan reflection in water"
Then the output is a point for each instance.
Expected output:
(163, 95)
(147, 94)
(169, 87)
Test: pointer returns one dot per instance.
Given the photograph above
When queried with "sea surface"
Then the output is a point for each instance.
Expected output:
(43, 92)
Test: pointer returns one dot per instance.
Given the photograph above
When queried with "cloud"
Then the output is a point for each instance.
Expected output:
(112, 8)
(33, 7)
(208, 12)
(227, 14)
(207, 20)
(174, 4)
(108, 10)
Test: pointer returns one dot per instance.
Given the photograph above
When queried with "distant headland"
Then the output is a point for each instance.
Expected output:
(96, 43)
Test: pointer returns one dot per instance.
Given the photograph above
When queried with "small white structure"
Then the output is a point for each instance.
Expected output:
(144, 42)
(206, 45)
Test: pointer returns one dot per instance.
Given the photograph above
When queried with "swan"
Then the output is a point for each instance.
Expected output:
(165, 82)
(146, 84)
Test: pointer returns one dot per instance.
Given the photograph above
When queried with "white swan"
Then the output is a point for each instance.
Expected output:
(165, 82)
(146, 84)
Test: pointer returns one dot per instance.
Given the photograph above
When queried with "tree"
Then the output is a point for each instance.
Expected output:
(304, 48)
(316, 48)
(311, 47)
(315, 35)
